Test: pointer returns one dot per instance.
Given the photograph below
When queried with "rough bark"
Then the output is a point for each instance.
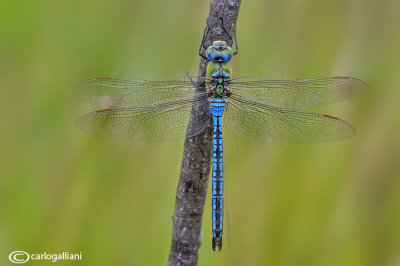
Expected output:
(196, 161)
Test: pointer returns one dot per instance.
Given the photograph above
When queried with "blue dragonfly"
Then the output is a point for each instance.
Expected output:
(255, 108)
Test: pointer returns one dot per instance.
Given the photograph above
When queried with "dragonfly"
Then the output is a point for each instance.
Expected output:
(259, 109)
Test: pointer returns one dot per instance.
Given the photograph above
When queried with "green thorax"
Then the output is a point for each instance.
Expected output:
(214, 67)
(219, 70)
(218, 76)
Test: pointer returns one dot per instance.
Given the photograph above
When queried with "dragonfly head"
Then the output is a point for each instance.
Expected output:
(219, 51)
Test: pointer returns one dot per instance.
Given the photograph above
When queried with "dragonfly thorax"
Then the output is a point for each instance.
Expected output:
(219, 87)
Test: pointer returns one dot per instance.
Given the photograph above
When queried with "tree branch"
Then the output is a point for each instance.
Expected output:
(196, 162)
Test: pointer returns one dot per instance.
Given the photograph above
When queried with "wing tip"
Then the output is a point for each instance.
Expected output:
(350, 130)
(359, 83)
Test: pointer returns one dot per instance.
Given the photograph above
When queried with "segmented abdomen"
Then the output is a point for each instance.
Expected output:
(217, 107)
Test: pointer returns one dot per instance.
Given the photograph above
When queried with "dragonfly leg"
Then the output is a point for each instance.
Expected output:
(230, 37)
(203, 46)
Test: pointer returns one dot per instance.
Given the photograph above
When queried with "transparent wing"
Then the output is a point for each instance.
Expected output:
(263, 123)
(166, 121)
(298, 94)
(122, 93)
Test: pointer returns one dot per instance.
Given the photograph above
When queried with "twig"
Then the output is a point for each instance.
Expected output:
(196, 161)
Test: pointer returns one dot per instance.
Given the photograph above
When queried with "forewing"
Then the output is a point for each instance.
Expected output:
(125, 93)
(298, 94)
(262, 123)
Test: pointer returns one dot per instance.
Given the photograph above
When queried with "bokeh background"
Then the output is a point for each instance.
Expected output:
(112, 199)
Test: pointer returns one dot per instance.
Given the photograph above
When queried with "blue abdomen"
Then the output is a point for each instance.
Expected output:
(217, 108)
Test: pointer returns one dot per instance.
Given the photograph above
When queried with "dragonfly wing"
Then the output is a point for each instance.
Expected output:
(161, 122)
(123, 93)
(298, 94)
(263, 123)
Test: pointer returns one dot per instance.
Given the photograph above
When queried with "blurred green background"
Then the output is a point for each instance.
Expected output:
(112, 199)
